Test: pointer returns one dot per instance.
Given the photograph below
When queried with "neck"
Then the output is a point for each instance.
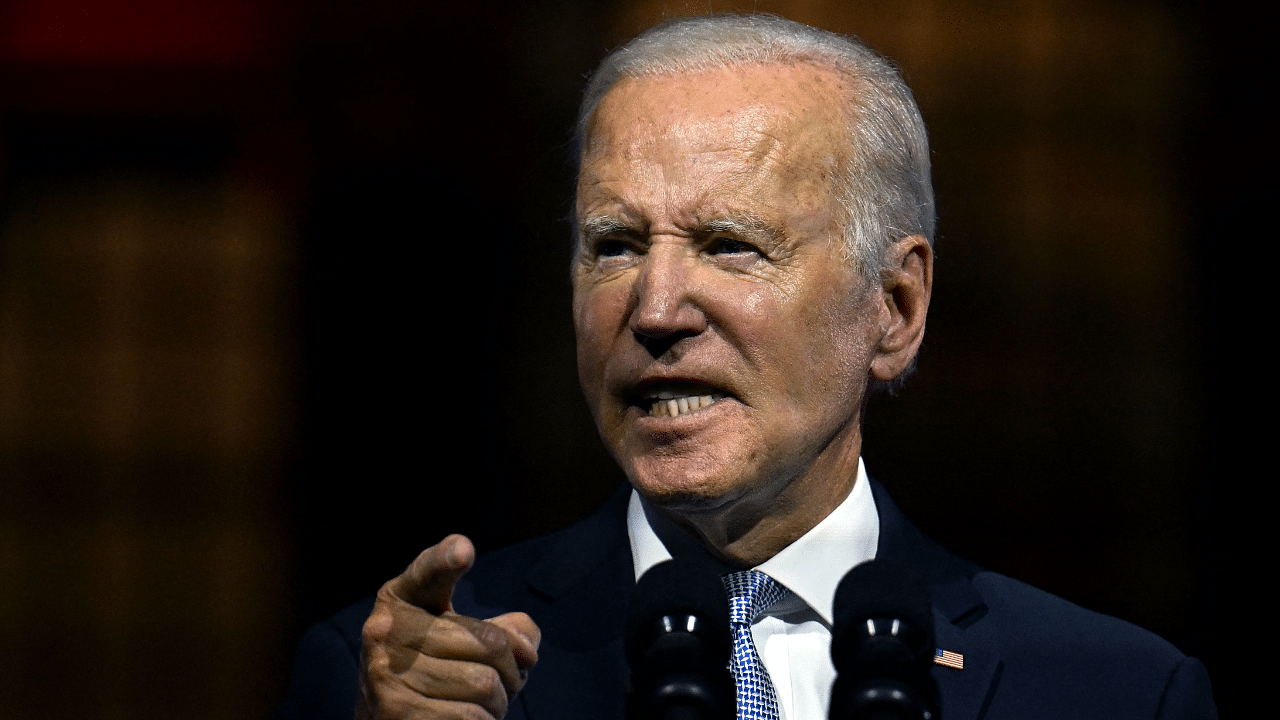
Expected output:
(748, 532)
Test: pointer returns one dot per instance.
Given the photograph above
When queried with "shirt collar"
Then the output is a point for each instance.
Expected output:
(811, 567)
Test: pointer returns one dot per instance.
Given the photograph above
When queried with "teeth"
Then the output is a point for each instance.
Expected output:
(669, 404)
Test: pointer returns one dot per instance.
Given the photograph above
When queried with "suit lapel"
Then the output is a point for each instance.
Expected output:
(585, 581)
(957, 609)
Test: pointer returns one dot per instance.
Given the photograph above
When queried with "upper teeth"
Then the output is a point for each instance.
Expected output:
(668, 403)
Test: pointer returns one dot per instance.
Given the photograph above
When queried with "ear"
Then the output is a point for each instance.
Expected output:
(906, 285)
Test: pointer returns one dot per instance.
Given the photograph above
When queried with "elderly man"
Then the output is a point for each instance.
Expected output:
(754, 218)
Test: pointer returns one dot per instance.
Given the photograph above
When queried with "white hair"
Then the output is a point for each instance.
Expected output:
(884, 188)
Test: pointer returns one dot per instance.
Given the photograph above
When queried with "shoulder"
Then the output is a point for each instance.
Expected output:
(1030, 654)
(1032, 618)
(1033, 625)
(1057, 659)
(1003, 612)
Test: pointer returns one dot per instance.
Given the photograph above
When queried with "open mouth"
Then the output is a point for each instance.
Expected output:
(674, 401)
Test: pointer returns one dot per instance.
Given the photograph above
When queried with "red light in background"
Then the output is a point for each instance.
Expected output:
(155, 33)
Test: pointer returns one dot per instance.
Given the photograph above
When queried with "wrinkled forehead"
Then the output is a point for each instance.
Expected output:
(754, 110)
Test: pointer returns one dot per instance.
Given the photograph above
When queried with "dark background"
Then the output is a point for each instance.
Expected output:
(284, 299)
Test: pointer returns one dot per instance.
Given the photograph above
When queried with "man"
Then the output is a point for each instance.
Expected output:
(754, 225)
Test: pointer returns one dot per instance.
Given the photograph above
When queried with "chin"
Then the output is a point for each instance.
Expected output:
(680, 489)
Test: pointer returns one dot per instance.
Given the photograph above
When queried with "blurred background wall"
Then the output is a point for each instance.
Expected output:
(284, 299)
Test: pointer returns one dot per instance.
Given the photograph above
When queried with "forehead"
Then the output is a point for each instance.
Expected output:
(747, 129)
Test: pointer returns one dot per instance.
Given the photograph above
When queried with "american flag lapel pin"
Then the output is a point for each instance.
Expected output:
(946, 658)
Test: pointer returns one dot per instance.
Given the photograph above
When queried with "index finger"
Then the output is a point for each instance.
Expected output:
(429, 580)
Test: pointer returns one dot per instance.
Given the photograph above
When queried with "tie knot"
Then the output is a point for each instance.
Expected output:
(751, 592)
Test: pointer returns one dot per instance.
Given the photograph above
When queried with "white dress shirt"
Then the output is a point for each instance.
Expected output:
(794, 638)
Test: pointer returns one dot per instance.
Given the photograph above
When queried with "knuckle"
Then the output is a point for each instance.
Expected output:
(377, 673)
(495, 641)
(377, 628)
(484, 681)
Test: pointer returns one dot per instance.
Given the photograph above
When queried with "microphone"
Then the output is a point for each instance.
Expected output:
(678, 645)
(882, 646)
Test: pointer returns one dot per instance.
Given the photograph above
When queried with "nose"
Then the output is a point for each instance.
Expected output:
(664, 310)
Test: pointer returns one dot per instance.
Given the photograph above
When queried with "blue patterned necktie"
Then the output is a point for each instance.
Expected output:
(751, 592)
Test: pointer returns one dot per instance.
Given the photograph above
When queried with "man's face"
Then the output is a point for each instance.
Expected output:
(724, 340)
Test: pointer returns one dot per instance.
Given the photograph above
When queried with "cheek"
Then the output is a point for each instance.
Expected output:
(589, 365)
(850, 361)
(598, 316)
(750, 317)
(838, 333)
(757, 304)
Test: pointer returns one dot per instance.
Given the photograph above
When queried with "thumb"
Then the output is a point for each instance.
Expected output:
(429, 580)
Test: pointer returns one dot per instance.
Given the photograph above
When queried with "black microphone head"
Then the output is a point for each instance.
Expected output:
(882, 645)
(882, 589)
(678, 589)
(678, 645)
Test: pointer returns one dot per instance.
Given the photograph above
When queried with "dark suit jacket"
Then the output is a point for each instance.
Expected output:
(1027, 654)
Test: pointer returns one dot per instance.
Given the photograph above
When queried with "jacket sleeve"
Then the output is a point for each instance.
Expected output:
(323, 684)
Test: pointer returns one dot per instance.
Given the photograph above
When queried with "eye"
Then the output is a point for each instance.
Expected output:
(730, 246)
(610, 247)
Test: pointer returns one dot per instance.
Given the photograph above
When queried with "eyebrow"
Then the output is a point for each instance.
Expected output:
(741, 225)
(603, 226)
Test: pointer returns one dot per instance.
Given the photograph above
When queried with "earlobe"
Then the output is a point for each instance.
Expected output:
(907, 285)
